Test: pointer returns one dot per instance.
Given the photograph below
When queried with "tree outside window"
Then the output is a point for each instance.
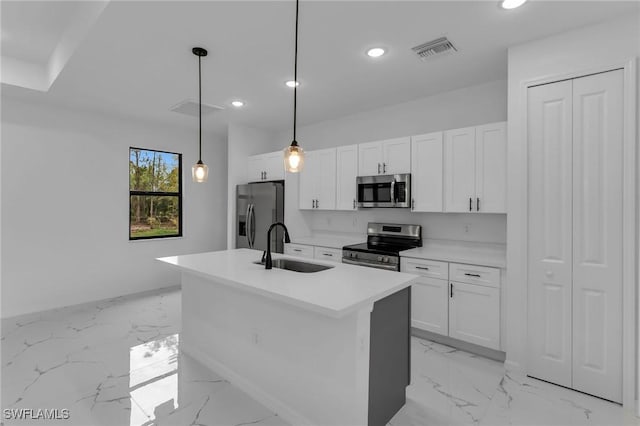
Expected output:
(155, 194)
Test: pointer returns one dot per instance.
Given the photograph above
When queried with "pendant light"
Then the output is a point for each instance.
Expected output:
(200, 171)
(294, 154)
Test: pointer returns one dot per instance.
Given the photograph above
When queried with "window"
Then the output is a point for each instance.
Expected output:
(155, 194)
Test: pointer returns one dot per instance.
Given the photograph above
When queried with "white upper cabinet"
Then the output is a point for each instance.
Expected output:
(475, 164)
(388, 157)
(491, 168)
(265, 167)
(426, 172)
(318, 181)
(460, 170)
(346, 173)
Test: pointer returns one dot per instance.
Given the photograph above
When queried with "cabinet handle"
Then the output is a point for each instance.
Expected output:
(327, 254)
(298, 250)
(473, 275)
(413, 204)
(477, 204)
(422, 267)
(313, 204)
(317, 204)
(354, 203)
(450, 289)
(384, 167)
(378, 168)
(470, 201)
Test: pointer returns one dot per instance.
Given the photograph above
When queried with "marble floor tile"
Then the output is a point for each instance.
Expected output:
(118, 363)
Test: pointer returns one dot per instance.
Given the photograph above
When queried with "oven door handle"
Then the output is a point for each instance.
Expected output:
(371, 265)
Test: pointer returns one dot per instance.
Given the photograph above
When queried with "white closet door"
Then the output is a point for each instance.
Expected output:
(550, 221)
(597, 234)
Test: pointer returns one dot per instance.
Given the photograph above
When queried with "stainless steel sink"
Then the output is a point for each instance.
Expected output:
(296, 265)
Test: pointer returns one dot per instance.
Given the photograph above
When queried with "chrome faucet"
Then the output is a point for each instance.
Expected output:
(266, 256)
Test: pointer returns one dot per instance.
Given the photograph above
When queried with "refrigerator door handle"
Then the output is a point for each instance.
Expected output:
(253, 225)
(247, 225)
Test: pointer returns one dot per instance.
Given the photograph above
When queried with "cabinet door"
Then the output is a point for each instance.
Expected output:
(369, 159)
(346, 173)
(550, 221)
(474, 314)
(597, 234)
(491, 168)
(396, 156)
(307, 189)
(325, 176)
(274, 165)
(255, 167)
(459, 170)
(426, 173)
(430, 305)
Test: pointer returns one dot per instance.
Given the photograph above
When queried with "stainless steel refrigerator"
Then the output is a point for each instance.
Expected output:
(258, 205)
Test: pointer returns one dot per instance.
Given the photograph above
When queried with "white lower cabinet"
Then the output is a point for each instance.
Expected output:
(429, 305)
(326, 253)
(300, 250)
(474, 314)
(466, 309)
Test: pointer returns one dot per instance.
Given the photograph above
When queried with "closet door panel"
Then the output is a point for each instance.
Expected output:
(597, 234)
(549, 229)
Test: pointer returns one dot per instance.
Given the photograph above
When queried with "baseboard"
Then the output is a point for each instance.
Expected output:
(93, 302)
(283, 410)
(459, 344)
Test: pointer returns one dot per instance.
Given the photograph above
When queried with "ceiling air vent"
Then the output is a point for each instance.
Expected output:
(434, 47)
(190, 107)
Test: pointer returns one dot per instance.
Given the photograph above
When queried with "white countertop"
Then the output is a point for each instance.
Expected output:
(486, 254)
(330, 240)
(334, 292)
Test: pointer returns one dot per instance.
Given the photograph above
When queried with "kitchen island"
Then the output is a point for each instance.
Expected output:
(322, 348)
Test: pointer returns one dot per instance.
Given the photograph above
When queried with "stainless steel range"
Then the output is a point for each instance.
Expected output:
(384, 243)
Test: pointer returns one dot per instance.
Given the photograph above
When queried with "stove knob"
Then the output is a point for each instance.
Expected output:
(379, 258)
(385, 260)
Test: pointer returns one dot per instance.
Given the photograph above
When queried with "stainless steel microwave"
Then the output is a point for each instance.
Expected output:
(384, 191)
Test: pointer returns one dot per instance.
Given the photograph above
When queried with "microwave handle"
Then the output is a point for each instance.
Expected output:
(393, 191)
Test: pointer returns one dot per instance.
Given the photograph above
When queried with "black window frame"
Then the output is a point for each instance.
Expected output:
(158, 194)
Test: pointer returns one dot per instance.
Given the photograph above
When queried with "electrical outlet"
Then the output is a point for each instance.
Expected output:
(467, 228)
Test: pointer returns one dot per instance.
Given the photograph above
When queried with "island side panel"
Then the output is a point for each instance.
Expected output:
(307, 367)
(389, 356)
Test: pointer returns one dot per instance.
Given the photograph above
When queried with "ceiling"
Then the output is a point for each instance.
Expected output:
(135, 60)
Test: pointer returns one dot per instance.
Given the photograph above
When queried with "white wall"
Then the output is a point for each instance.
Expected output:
(243, 141)
(65, 206)
(460, 108)
(580, 51)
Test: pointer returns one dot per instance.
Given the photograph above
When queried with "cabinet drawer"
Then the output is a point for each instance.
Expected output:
(473, 274)
(428, 268)
(330, 254)
(298, 250)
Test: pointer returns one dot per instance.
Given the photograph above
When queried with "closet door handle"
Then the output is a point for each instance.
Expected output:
(477, 204)
(470, 201)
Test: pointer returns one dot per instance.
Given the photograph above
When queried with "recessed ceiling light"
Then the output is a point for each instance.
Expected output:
(376, 52)
(512, 4)
(292, 83)
(237, 104)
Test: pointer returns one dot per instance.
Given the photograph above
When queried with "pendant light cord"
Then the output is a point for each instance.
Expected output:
(200, 108)
(295, 77)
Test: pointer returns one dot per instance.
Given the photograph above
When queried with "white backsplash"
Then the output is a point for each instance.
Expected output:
(489, 228)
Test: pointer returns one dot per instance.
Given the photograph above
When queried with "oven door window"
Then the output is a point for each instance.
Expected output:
(374, 192)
